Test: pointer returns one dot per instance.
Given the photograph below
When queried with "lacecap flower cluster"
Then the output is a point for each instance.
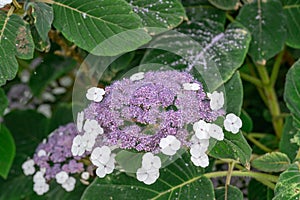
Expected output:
(155, 113)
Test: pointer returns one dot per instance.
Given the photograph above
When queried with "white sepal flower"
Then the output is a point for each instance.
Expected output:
(69, 184)
(201, 160)
(95, 94)
(100, 156)
(201, 129)
(40, 188)
(91, 126)
(80, 118)
(79, 145)
(28, 167)
(137, 76)
(85, 175)
(216, 100)
(106, 168)
(150, 161)
(61, 177)
(4, 3)
(232, 123)
(191, 86)
(216, 132)
(169, 145)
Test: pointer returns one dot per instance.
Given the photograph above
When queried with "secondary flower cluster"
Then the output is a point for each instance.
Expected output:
(53, 159)
(152, 113)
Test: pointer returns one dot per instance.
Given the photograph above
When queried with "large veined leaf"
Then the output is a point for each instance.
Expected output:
(267, 28)
(288, 185)
(43, 18)
(90, 23)
(234, 146)
(226, 5)
(7, 151)
(9, 27)
(164, 13)
(291, 9)
(203, 46)
(285, 145)
(292, 91)
(271, 162)
(180, 180)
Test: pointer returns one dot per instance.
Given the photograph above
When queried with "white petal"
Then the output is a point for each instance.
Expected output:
(201, 161)
(61, 177)
(101, 172)
(175, 145)
(141, 174)
(85, 175)
(80, 118)
(137, 76)
(168, 151)
(216, 132)
(216, 100)
(41, 153)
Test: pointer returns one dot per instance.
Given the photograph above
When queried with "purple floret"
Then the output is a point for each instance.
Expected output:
(138, 114)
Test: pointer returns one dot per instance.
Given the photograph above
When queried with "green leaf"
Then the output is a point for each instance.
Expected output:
(292, 91)
(203, 46)
(16, 188)
(234, 94)
(226, 5)
(247, 122)
(179, 180)
(164, 13)
(288, 185)
(232, 193)
(40, 45)
(291, 9)
(272, 162)
(234, 146)
(89, 24)
(43, 18)
(3, 101)
(24, 42)
(285, 145)
(7, 151)
(268, 30)
(9, 27)
(258, 191)
(28, 129)
(49, 70)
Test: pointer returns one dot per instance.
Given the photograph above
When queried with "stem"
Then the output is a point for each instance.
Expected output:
(253, 74)
(261, 177)
(271, 99)
(298, 154)
(257, 143)
(228, 178)
(229, 17)
(276, 68)
(16, 4)
(257, 135)
(255, 81)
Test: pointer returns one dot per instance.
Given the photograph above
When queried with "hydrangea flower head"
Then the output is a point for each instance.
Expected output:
(54, 159)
